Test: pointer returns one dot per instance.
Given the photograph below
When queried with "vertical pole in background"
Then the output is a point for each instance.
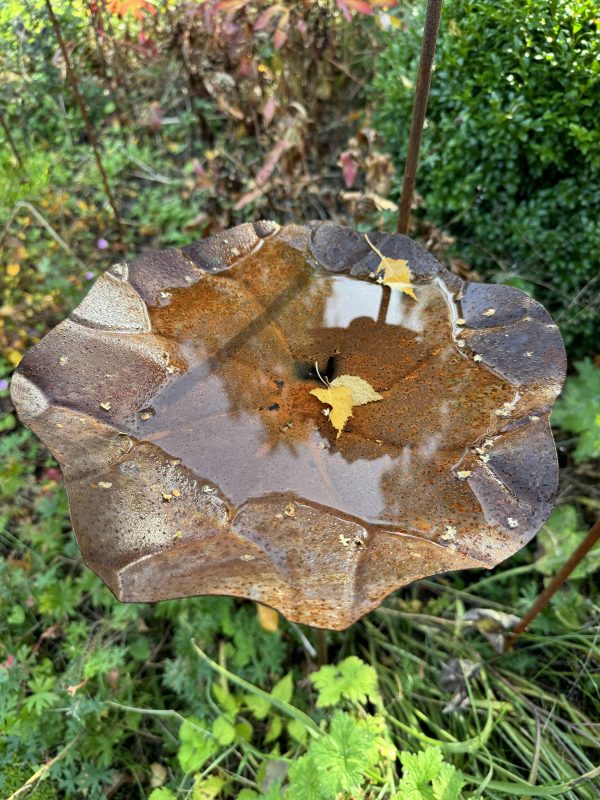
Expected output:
(322, 649)
(555, 584)
(430, 31)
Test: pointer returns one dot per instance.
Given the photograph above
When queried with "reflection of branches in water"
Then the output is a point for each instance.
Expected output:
(226, 351)
(253, 368)
(247, 392)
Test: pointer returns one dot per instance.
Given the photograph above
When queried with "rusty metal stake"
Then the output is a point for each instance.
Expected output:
(322, 649)
(561, 576)
(430, 30)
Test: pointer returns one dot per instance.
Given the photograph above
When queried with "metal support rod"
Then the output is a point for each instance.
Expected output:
(430, 30)
(557, 581)
(322, 649)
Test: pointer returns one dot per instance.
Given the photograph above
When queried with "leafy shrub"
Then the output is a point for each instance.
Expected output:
(511, 156)
(578, 410)
(561, 536)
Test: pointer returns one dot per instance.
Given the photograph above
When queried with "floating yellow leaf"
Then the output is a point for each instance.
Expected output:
(13, 269)
(342, 394)
(396, 271)
(341, 402)
(362, 391)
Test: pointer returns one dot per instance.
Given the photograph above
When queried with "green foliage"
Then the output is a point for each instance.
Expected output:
(122, 684)
(560, 537)
(197, 745)
(511, 156)
(577, 410)
(425, 776)
(162, 794)
(26, 182)
(343, 757)
(351, 680)
(13, 777)
(337, 762)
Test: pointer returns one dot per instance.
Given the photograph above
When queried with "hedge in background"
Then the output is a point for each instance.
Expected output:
(511, 152)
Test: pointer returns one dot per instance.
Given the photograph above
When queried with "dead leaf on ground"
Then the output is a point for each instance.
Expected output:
(492, 624)
(454, 678)
(268, 618)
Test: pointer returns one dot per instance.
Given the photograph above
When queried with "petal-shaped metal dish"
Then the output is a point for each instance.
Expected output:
(176, 398)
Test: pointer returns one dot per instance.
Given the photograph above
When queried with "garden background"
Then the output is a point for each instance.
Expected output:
(208, 114)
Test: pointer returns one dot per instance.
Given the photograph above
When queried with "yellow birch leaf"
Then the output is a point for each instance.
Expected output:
(268, 618)
(396, 272)
(341, 401)
(342, 395)
(362, 391)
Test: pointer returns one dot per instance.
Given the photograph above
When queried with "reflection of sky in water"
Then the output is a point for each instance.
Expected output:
(350, 299)
(405, 312)
(224, 435)
(230, 446)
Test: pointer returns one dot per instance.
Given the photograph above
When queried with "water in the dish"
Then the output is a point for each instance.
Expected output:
(238, 410)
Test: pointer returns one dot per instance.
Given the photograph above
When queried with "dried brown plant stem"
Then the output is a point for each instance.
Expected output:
(37, 776)
(430, 30)
(10, 140)
(86, 118)
(555, 584)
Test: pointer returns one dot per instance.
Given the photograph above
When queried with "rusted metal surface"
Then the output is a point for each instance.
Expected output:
(176, 398)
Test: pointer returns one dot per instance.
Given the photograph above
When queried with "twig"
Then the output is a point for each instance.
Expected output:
(305, 642)
(46, 225)
(10, 140)
(559, 579)
(37, 776)
(86, 118)
(432, 23)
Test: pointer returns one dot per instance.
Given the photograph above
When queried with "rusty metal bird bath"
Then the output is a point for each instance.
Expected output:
(176, 398)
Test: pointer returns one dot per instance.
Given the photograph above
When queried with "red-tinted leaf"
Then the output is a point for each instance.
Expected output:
(341, 4)
(248, 198)
(231, 5)
(271, 161)
(121, 8)
(245, 67)
(266, 19)
(360, 6)
(302, 28)
(279, 38)
(349, 168)
(268, 110)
